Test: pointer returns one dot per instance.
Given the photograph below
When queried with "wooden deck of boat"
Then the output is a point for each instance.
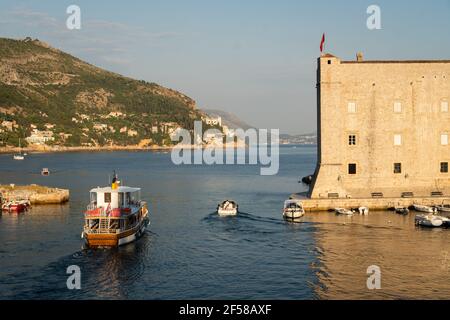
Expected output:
(327, 204)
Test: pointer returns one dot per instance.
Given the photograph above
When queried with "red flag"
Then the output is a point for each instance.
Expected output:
(322, 43)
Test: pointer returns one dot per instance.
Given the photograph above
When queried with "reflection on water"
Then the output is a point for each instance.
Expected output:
(412, 259)
(188, 252)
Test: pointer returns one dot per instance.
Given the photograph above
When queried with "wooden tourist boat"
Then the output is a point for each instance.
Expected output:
(115, 216)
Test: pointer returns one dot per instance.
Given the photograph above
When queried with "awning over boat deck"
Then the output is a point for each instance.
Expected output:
(119, 189)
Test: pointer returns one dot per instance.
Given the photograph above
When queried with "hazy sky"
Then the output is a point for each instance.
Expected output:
(256, 59)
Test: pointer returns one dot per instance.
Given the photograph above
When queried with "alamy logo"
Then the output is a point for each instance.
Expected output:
(227, 149)
(74, 280)
(74, 20)
(374, 20)
(374, 280)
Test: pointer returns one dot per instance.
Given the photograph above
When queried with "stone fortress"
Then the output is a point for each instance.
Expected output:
(383, 129)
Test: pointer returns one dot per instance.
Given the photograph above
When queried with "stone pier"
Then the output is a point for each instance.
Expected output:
(36, 194)
(324, 204)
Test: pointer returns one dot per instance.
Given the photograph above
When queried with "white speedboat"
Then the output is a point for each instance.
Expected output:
(227, 208)
(422, 208)
(293, 209)
(431, 220)
(344, 212)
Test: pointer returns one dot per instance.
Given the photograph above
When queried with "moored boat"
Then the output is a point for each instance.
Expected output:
(363, 211)
(422, 208)
(45, 172)
(431, 220)
(402, 210)
(343, 211)
(227, 208)
(115, 216)
(19, 156)
(443, 208)
(16, 206)
(293, 209)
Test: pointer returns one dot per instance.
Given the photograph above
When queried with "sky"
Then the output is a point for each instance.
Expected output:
(254, 58)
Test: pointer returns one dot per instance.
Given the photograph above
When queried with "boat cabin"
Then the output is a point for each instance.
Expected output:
(110, 198)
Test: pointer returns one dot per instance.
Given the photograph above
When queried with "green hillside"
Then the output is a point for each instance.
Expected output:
(40, 86)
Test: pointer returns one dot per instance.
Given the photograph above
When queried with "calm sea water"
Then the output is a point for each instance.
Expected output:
(191, 253)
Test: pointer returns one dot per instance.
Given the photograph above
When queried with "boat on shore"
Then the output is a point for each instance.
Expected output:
(422, 208)
(115, 216)
(344, 212)
(227, 208)
(293, 209)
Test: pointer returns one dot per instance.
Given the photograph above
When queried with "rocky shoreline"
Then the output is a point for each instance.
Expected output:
(54, 149)
(37, 195)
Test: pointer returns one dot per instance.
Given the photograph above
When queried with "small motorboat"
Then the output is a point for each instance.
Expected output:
(443, 208)
(345, 212)
(422, 208)
(293, 209)
(15, 206)
(431, 220)
(45, 172)
(363, 211)
(401, 210)
(227, 208)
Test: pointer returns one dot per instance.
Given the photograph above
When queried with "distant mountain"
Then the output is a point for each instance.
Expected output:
(42, 88)
(305, 139)
(228, 119)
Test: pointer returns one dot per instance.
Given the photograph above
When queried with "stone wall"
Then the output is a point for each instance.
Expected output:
(375, 86)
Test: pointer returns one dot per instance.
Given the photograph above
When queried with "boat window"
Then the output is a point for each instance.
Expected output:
(93, 196)
(121, 199)
(107, 197)
(128, 197)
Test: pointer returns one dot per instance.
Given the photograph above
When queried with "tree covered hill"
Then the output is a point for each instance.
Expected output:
(42, 88)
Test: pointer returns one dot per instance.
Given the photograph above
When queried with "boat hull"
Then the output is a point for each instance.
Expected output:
(227, 213)
(291, 215)
(93, 240)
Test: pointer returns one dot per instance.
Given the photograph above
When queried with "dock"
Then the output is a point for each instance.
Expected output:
(37, 195)
(328, 204)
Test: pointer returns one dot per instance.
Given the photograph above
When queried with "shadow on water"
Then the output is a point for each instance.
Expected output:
(107, 273)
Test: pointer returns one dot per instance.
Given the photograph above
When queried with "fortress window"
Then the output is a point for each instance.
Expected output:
(352, 168)
(444, 167)
(107, 197)
(352, 140)
(351, 107)
(444, 139)
(398, 107)
(329, 61)
(397, 140)
(444, 106)
(397, 167)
